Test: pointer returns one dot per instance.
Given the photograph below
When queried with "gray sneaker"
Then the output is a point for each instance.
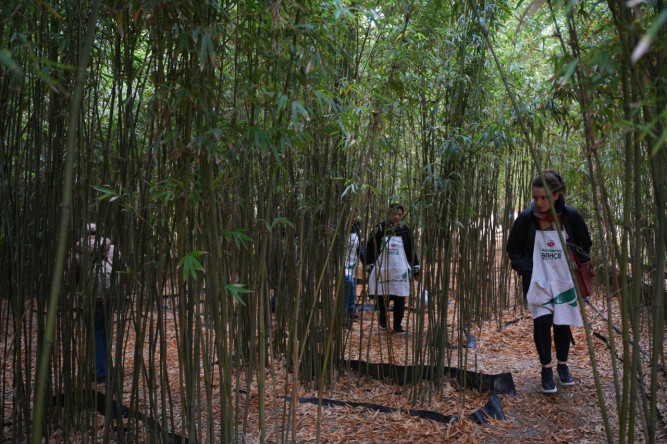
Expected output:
(564, 376)
(548, 383)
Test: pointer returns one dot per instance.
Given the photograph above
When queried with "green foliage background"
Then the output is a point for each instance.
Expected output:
(222, 145)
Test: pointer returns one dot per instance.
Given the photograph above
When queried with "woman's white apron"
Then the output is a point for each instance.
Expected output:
(551, 288)
(351, 258)
(391, 274)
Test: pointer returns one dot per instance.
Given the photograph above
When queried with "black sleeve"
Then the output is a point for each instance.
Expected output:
(361, 251)
(581, 237)
(408, 244)
(360, 248)
(516, 245)
(373, 245)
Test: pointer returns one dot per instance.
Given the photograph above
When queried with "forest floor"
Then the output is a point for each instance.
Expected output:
(570, 415)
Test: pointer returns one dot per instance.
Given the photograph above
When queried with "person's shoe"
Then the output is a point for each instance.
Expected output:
(382, 325)
(100, 379)
(548, 383)
(564, 375)
(399, 330)
(352, 314)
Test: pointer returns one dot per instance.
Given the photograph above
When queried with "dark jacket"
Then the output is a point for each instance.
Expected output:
(373, 247)
(522, 240)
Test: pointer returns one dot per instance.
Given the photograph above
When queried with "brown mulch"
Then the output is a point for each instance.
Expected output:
(571, 415)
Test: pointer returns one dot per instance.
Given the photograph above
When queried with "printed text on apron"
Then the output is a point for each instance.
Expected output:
(390, 276)
(551, 288)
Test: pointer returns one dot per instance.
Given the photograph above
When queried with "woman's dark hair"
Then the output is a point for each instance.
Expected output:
(395, 207)
(553, 179)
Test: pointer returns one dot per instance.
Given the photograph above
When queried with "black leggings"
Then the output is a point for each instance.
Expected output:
(542, 336)
(399, 308)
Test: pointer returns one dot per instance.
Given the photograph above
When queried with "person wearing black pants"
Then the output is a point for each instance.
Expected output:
(390, 258)
(536, 253)
(399, 312)
(542, 337)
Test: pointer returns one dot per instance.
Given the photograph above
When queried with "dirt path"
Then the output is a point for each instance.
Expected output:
(570, 415)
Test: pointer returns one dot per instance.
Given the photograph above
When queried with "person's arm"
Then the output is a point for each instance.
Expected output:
(581, 236)
(73, 269)
(411, 253)
(361, 251)
(360, 245)
(373, 245)
(516, 245)
(408, 244)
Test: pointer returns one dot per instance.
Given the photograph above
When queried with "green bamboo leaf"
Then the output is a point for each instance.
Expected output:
(238, 236)
(190, 264)
(205, 51)
(645, 42)
(279, 220)
(7, 60)
(299, 109)
(352, 188)
(325, 103)
(373, 189)
(659, 143)
(194, 197)
(282, 102)
(106, 193)
(235, 290)
(53, 83)
(259, 138)
(569, 70)
(210, 49)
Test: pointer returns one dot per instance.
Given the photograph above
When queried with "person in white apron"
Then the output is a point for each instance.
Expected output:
(391, 260)
(96, 253)
(354, 251)
(536, 253)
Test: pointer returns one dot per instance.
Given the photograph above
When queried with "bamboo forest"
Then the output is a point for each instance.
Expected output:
(333, 221)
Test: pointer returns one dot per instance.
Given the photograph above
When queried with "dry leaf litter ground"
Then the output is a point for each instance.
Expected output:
(571, 415)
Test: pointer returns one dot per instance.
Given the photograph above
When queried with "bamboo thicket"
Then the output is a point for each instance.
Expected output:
(224, 146)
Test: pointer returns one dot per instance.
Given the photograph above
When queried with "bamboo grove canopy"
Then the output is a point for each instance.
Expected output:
(223, 146)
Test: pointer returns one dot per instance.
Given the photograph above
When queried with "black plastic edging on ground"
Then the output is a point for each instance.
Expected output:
(426, 414)
(120, 412)
(501, 384)
(492, 409)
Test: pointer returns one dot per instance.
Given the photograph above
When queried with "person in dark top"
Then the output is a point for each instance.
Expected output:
(94, 254)
(354, 251)
(390, 258)
(537, 255)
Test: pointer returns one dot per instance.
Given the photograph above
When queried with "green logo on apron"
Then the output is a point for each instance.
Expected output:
(566, 297)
